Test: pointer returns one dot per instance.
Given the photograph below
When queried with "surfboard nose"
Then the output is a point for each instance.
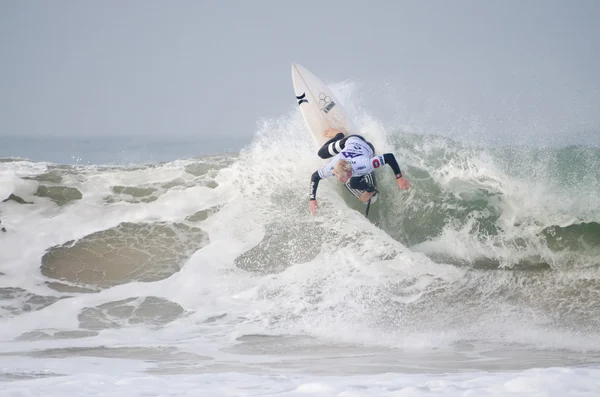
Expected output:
(296, 67)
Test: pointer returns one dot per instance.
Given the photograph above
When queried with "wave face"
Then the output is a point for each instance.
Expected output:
(496, 245)
(510, 208)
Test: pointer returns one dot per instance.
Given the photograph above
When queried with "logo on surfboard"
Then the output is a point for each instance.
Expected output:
(301, 98)
(325, 102)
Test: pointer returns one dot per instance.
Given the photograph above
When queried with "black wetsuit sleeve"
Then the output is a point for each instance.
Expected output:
(361, 184)
(390, 159)
(325, 153)
(314, 183)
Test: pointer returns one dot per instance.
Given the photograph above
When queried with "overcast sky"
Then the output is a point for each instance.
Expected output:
(182, 68)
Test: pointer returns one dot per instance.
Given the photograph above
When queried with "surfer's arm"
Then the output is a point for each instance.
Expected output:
(314, 183)
(390, 160)
(322, 173)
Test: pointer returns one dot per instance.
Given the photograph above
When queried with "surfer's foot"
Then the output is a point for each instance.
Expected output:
(331, 132)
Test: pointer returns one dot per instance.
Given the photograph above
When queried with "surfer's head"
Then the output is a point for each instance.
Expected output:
(342, 171)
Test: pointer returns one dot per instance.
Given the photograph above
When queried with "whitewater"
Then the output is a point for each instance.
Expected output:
(208, 275)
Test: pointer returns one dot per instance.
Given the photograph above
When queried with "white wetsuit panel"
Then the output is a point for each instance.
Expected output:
(360, 156)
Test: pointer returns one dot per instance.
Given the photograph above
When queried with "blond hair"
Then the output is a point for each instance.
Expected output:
(342, 167)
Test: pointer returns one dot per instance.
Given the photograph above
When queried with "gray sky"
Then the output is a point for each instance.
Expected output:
(182, 68)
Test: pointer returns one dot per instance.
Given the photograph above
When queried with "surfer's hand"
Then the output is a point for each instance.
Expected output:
(403, 183)
(366, 196)
(313, 206)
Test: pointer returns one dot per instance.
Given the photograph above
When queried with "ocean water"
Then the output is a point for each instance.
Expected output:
(164, 269)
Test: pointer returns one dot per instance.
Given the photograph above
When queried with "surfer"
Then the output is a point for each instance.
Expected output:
(353, 159)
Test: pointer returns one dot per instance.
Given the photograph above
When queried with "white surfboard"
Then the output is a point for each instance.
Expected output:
(321, 110)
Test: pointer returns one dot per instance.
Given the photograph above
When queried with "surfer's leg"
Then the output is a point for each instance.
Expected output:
(365, 182)
(337, 144)
(371, 146)
(332, 146)
(363, 187)
(365, 141)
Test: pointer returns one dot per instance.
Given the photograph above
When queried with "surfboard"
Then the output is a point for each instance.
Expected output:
(319, 107)
(322, 110)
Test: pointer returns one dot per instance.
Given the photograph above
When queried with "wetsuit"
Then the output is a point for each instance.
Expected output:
(360, 155)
